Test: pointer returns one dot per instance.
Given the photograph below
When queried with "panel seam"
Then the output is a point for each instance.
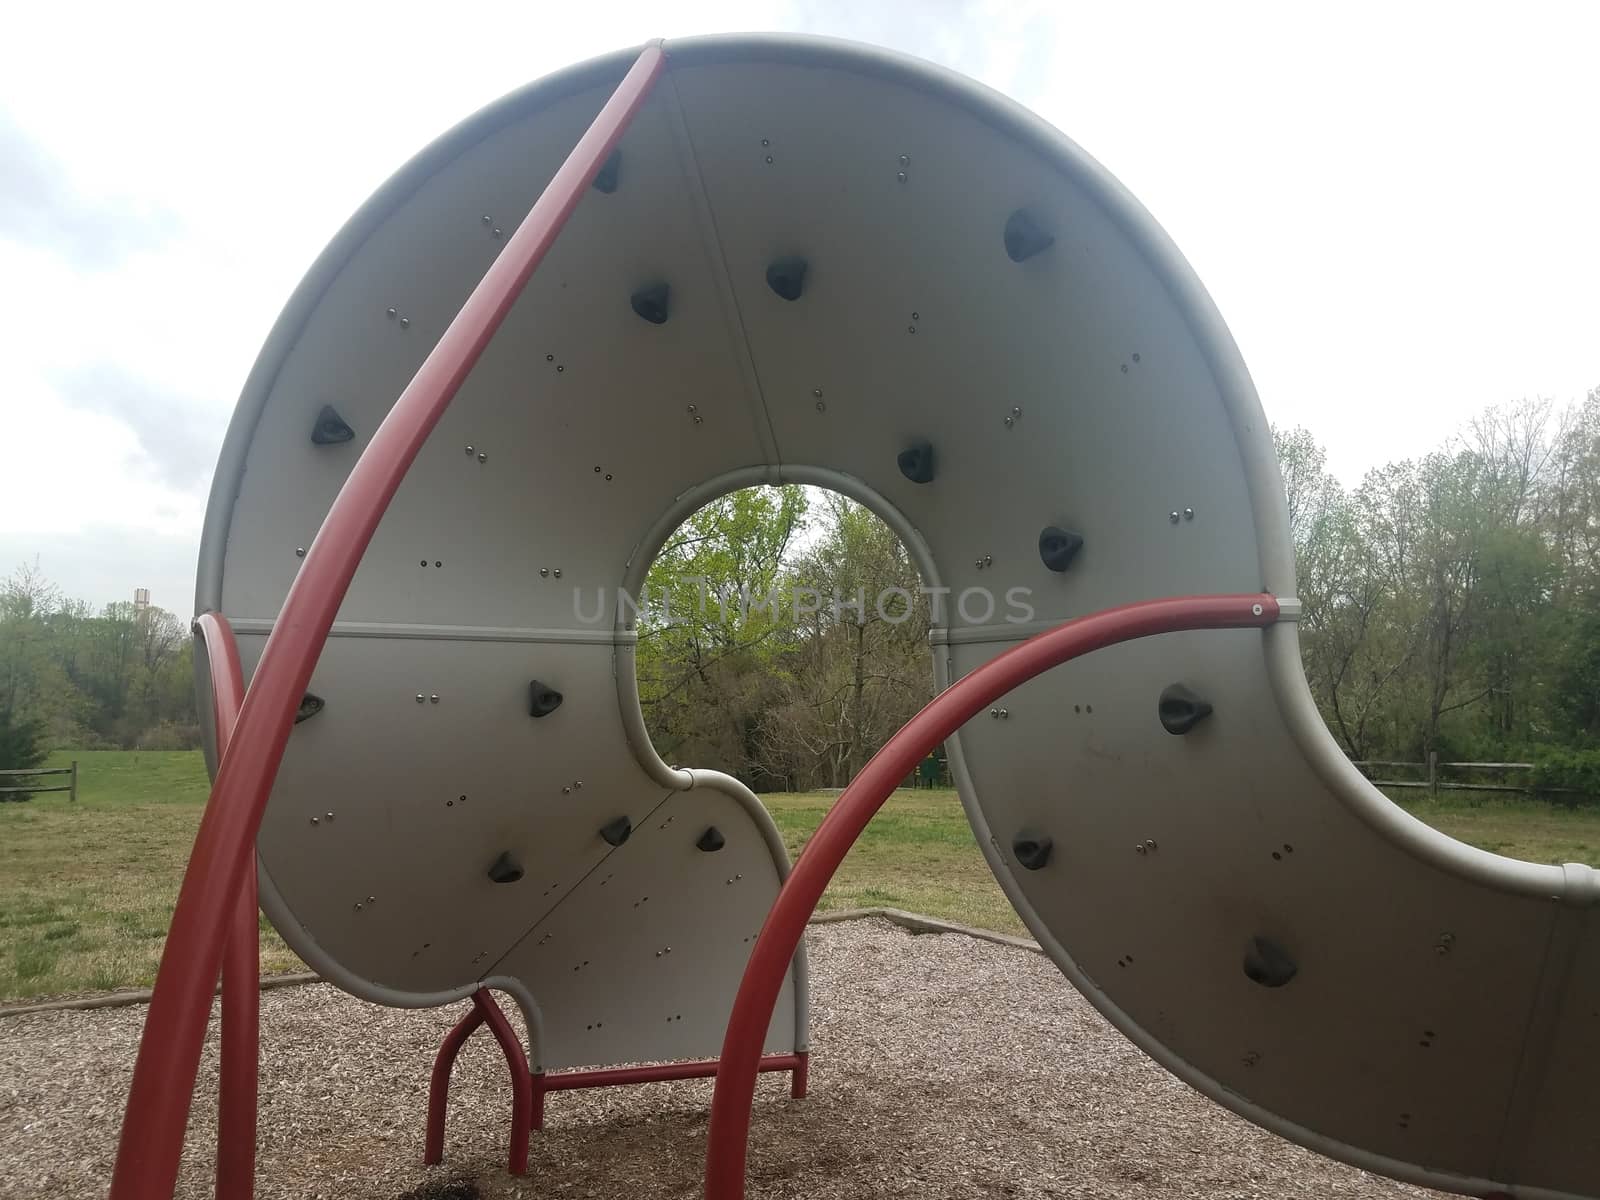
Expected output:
(1549, 1001)
(571, 892)
(689, 161)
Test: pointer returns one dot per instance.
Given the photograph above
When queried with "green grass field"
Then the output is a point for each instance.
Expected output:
(86, 888)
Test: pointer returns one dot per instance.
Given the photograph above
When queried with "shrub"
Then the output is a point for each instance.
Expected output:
(1571, 770)
(169, 735)
(21, 748)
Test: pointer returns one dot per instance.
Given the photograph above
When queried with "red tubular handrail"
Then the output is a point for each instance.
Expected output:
(484, 1009)
(241, 968)
(546, 1082)
(728, 1141)
(174, 1030)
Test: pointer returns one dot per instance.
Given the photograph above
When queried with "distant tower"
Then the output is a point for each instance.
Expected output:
(141, 599)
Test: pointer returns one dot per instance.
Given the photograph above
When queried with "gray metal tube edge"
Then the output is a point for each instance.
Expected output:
(313, 955)
(1281, 646)
(762, 819)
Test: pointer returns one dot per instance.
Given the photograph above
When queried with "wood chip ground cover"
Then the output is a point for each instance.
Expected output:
(942, 1067)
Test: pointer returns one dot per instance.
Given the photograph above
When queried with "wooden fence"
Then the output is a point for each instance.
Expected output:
(1435, 783)
(70, 786)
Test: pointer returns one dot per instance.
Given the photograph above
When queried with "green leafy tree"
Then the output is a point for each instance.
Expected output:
(21, 748)
(860, 666)
(122, 678)
(1446, 598)
(710, 628)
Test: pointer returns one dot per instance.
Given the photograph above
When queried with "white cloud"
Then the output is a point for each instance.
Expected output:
(1391, 204)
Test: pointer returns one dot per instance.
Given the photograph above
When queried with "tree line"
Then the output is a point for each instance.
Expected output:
(122, 678)
(1452, 602)
(1451, 606)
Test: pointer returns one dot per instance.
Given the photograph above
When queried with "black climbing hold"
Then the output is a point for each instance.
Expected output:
(1024, 238)
(1180, 709)
(610, 173)
(651, 303)
(505, 869)
(616, 832)
(1032, 850)
(330, 428)
(310, 706)
(787, 277)
(1268, 963)
(1058, 547)
(542, 699)
(916, 462)
(711, 840)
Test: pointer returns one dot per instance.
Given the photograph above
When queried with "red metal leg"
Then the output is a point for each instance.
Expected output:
(241, 1047)
(241, 968)
(727, 1142)
(484, 1010)
(439, 1084)
(169, 1052)
(538, 1101)
(801, 1076)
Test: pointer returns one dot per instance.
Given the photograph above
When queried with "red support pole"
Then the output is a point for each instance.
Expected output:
(439, 1085)
(484, 1009)
(169, 1052)
(241, 968)
(241, 1047)
(728, 1140)
(538, 1100)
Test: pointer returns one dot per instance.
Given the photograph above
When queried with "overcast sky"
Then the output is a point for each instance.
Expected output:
(1393, 205)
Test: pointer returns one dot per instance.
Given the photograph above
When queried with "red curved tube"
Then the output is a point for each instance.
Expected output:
(174, 1030)
(227, 678)
(241, 967)
(439, 1084)
(728, 1140)
(567, 1081)
(484, 1009)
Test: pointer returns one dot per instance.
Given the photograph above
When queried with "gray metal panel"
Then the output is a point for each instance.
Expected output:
(425, 796)
(1559, 1122)
(1172, 853)
(1085, 340)
(388, 811)
(574, 382)
(641, 962)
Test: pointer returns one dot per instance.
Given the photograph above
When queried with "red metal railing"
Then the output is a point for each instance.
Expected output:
(169, 1051)
(529, 1090)
(728, 1141)
(798, 1063)
(241, 967)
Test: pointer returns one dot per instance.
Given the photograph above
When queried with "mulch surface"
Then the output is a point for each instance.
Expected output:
(941, 1067)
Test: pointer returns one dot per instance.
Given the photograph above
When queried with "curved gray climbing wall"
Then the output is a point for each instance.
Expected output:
(816, 262)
